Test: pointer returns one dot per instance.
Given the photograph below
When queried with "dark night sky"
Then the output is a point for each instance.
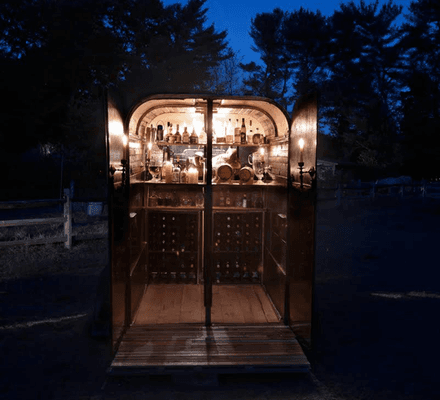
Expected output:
(235, 16)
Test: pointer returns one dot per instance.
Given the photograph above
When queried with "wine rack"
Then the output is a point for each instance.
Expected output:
(174, 246)
(237, 241)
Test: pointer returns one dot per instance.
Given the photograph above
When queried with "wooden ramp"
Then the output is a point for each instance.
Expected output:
(163, 349)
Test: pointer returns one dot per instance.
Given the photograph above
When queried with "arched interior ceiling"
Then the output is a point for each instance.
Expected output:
(190, 111)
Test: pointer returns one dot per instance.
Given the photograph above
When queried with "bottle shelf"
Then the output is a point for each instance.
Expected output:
(239, 145)
(163, 143)
(234, 252)
(174, 208)
(172, 252)
(247, 209)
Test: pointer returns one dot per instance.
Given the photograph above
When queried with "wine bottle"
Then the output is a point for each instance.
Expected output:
(193, 139)
(176, 170)
(177, 135)
(243, 139)
(229, 133)
(237, 132)
(185, 135)
(159, 135)
(170, 134)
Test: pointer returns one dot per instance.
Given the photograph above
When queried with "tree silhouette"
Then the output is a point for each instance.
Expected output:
(421, 97)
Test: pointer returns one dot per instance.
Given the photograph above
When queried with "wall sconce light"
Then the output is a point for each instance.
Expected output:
(311, 171)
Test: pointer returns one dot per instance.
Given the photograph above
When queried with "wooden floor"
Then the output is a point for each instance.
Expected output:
(237, 348)
(174, 303)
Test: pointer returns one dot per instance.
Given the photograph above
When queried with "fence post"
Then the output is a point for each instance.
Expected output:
(68, 220)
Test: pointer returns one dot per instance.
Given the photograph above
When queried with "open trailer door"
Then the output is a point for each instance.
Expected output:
(301, 215)
(125, 225)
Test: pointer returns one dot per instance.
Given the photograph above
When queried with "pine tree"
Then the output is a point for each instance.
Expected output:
(421, 99)
(365, 64)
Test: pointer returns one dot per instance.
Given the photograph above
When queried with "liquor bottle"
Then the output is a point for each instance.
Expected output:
(229, 133)
(203, 138)
(244, 200)
(159, 134)
(170, 134)
(167, 171)
(259, 137)
(176, 171)
(185, 135)
(167, 133)
(220, 136)
(250, 134)
(193, 139)
(243, 132)
(237, 132)
(183, 172)
(177, 135)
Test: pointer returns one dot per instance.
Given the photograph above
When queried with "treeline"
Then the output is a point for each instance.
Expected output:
(377, 71)
(378, 80)
(57, 56)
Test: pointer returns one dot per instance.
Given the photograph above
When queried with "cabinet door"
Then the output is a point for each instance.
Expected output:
(126, 226)
(301, 215)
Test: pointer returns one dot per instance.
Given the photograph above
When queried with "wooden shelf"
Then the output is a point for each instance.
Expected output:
(247, 209)
(173, 208)
(239, 145)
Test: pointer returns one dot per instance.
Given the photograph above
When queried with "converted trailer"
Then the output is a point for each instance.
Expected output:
(212, 215)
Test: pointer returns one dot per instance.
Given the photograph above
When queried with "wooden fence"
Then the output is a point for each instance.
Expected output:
(373, 191)
(68, 236)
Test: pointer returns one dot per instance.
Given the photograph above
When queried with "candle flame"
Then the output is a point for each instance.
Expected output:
(150, 145)
(301, 143)
(124, 140)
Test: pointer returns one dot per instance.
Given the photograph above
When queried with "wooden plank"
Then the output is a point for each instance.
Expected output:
(265, 304)
(171, 300)
(35, 221)
(174, 303)
(149, 309)
(231, 311)
(192, 309)
(250, 305)
(216, 309)
(184, 345)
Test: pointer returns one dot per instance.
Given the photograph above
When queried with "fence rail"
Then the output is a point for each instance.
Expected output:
(373, 191)
(68, 236)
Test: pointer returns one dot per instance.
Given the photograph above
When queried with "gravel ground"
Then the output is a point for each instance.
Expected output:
(376, 301)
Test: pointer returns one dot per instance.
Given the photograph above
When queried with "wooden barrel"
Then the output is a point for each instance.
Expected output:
(225, 173)
(246, 175)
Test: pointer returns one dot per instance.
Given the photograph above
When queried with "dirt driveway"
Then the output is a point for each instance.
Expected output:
(376, 299)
